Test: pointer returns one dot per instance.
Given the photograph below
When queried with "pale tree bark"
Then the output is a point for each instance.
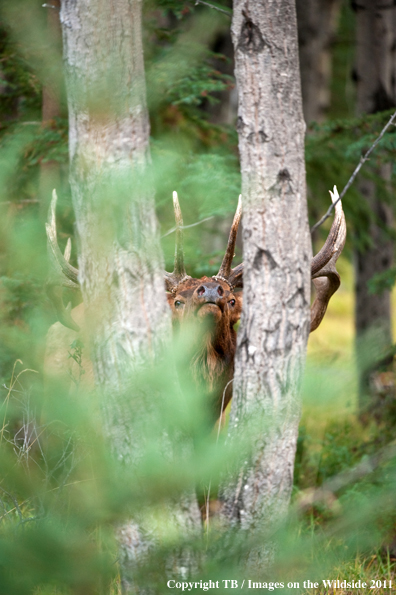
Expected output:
(120, 263)
(375, 75)
(277, 254)
(317, 22)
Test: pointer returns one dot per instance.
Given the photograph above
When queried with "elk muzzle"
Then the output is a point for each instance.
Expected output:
(210, 298)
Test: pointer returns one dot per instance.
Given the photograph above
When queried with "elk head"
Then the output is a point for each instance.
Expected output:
(217, 299)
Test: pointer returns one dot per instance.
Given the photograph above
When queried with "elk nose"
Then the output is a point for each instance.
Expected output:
(211, 292)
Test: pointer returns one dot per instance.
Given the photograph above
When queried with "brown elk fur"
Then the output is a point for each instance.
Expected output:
(212, 360)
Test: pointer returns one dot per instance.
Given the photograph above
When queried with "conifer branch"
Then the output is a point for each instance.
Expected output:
(355, 173)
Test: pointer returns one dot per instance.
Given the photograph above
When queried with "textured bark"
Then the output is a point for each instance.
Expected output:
(277, 255)
(120, 263)
(317, 21)
(120, 266)
(375, 75)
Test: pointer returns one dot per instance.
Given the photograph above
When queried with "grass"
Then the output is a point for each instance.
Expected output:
(332, 437)
(330, 388)
(334, 339)
(371, 570)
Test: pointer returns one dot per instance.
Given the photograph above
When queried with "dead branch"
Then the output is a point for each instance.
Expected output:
(327, 491)
(186, 226)
(355, 173)
(215, 7)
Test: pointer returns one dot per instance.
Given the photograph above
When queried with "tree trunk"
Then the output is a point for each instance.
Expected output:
(317, 21)
(120, 263)
(375, 70)
(277, 254)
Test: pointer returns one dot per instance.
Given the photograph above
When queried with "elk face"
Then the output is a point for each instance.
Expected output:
(206, 299)
(214, 307)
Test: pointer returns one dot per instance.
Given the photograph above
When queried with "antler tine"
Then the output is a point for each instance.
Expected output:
(62, 273)
(225, 269)
(336, 235)
(179, 271)
(67, 252)
(327, 280)
(57, 259)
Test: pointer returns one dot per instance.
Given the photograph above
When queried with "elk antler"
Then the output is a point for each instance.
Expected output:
(337, 231)
(323, 270)
(232, 276)
(172, 280)
(62, 273)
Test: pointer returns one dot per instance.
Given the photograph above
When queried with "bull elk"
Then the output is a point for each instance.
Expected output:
(216, 298)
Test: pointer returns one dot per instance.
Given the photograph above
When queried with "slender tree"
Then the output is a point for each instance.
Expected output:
(375, 79)
(277, 254)
(120, 263)
(317, 21)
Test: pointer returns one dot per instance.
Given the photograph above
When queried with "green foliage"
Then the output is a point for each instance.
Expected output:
(208, 185)
(51, 144)
(340, 448)
(178, 109)
(63, 492)
(42, 464)
(339, 451)
(200, 83)
(42, 145)
(21, 92)
(183, 73)
(333, 150)
(21, 299)
(383, 281)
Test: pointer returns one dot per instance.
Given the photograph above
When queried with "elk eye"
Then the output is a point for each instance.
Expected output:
(232, 302)
(178, 304)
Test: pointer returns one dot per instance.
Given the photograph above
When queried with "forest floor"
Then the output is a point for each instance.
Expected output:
(332, 438)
